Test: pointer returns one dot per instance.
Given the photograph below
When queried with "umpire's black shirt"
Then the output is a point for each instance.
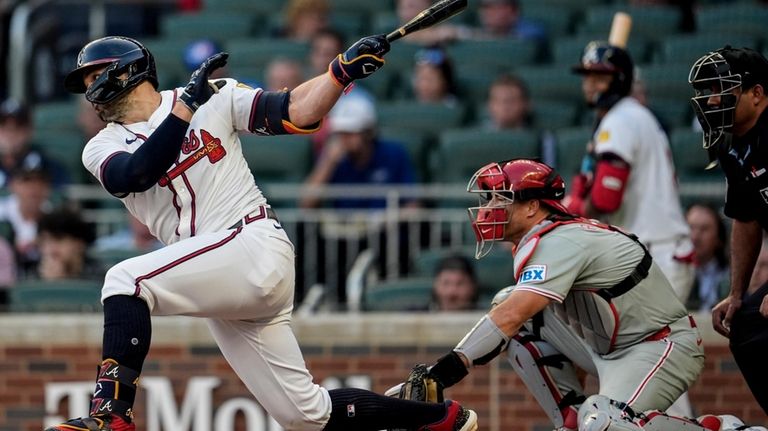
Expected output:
(745, 163)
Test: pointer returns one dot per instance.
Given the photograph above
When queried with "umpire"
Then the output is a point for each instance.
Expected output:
(730, 102)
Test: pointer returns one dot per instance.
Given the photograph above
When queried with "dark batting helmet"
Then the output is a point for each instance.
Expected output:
(121, 56)
(512, 180)
(601, 57)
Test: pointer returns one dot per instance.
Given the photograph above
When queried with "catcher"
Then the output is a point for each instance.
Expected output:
(587, 294)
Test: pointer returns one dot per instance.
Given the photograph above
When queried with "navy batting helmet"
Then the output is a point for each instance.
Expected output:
(601, 57)
(121, 56)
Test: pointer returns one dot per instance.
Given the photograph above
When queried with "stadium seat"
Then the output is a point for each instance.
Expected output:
(246, 7)
(284, 159)
(417, 145)
(475, 79)
(690, 158)
(567, 50)
(557, 21)
(257, 53)
(56, 116)
(672, 112)
(398, 295)
(352, 24)
(114, 256)
(56, 296)
(168, 53)
(552, 82)
(571, 147)
(554, 114)
(494, 53)
(220, 25)
(419, 118)
(733, 19)
(65, 148)
(369, 7)
(462, 152)
(653, 22)
(667, 81)
(686, 49)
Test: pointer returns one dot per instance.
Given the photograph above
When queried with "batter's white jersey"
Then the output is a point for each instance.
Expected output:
(651, 205)
(210, 186)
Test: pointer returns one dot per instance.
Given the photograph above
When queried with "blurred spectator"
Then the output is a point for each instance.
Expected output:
(355, 155)
(64, 238)
(16, 149)
(134, 237)
(708, 234)
(509, 105)
(20, 213)
(88, 120)
(283, 73)
(433, 77)
(501, 19)
(441, 33)
(326, 45)
(197, 51)
(304, 19)
(455, 286)
(7, 272)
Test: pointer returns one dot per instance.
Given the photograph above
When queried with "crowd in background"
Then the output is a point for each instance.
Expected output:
(45, 236)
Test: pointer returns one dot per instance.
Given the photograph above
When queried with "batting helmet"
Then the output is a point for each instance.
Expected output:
(714, 78)
(121, 56)
(601, 57)
(511, 180)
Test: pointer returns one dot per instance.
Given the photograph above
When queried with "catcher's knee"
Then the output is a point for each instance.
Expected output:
(600, 413)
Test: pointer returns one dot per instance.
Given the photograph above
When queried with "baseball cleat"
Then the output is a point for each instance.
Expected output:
(95, 423)
(457, 418)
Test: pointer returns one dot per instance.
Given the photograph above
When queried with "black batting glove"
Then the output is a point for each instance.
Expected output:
(199, 89)
(360, 60)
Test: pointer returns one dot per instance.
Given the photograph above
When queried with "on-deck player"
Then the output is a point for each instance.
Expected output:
(629, 179)
(174, 159)
(588, 294)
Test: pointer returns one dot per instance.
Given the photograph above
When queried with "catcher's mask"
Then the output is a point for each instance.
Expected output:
(604, 58)
(509, 181)
(121, 56)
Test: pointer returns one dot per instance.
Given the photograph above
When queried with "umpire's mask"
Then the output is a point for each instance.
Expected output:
(714, 101)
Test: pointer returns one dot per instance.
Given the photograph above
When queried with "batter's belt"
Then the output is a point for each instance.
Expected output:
(262, 212)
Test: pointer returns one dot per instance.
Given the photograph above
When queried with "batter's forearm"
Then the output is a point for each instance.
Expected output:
(312, 100)
(746, 239)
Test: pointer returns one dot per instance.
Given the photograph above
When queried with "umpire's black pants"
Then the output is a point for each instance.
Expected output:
(749, 345)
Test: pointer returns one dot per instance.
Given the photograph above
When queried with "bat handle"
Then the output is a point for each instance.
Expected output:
(397, 34)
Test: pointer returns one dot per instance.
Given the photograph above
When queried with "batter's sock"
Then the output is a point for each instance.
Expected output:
(361, 410)
(127, 331)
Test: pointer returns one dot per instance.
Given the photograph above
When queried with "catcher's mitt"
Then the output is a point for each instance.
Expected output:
(420, 385)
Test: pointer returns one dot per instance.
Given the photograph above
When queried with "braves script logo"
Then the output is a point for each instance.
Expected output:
(204, 147)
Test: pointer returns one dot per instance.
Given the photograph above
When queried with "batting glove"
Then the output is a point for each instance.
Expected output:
(360, 60)
(200, 89)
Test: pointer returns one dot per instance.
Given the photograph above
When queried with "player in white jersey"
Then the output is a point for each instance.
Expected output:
(586, 293)
(175, 160)
(628, 179)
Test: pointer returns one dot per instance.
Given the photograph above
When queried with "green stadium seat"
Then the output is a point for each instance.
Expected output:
(352, 24)
(168, 53)
(559, 4)
(557, 21)
(418, 117)
(401, 57)
(686, 49)
(571, 147)
(56, 296)
(369, 7)
(474, 80)
(494, 53)
(567, 50)
(56, 115)
(398, 295)
(667, 81)
(382, 83)
(462, 152)
(278, 159)
(690, 158)
(733, 19)
(384, 21)
(257, 53)
(552, 82)
(252, 8)
(554, 114)
(114, 256)
(220, 25)
(654, 22)
(66, 148)
(672, 112)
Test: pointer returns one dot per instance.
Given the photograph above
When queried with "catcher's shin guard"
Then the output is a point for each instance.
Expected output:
(549, 376)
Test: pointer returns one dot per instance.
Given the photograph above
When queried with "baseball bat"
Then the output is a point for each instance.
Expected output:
(430, 16)
(620, 28)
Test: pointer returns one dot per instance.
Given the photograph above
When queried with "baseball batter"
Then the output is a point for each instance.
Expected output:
(174, 159)
(629, 179)
(588, 294)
